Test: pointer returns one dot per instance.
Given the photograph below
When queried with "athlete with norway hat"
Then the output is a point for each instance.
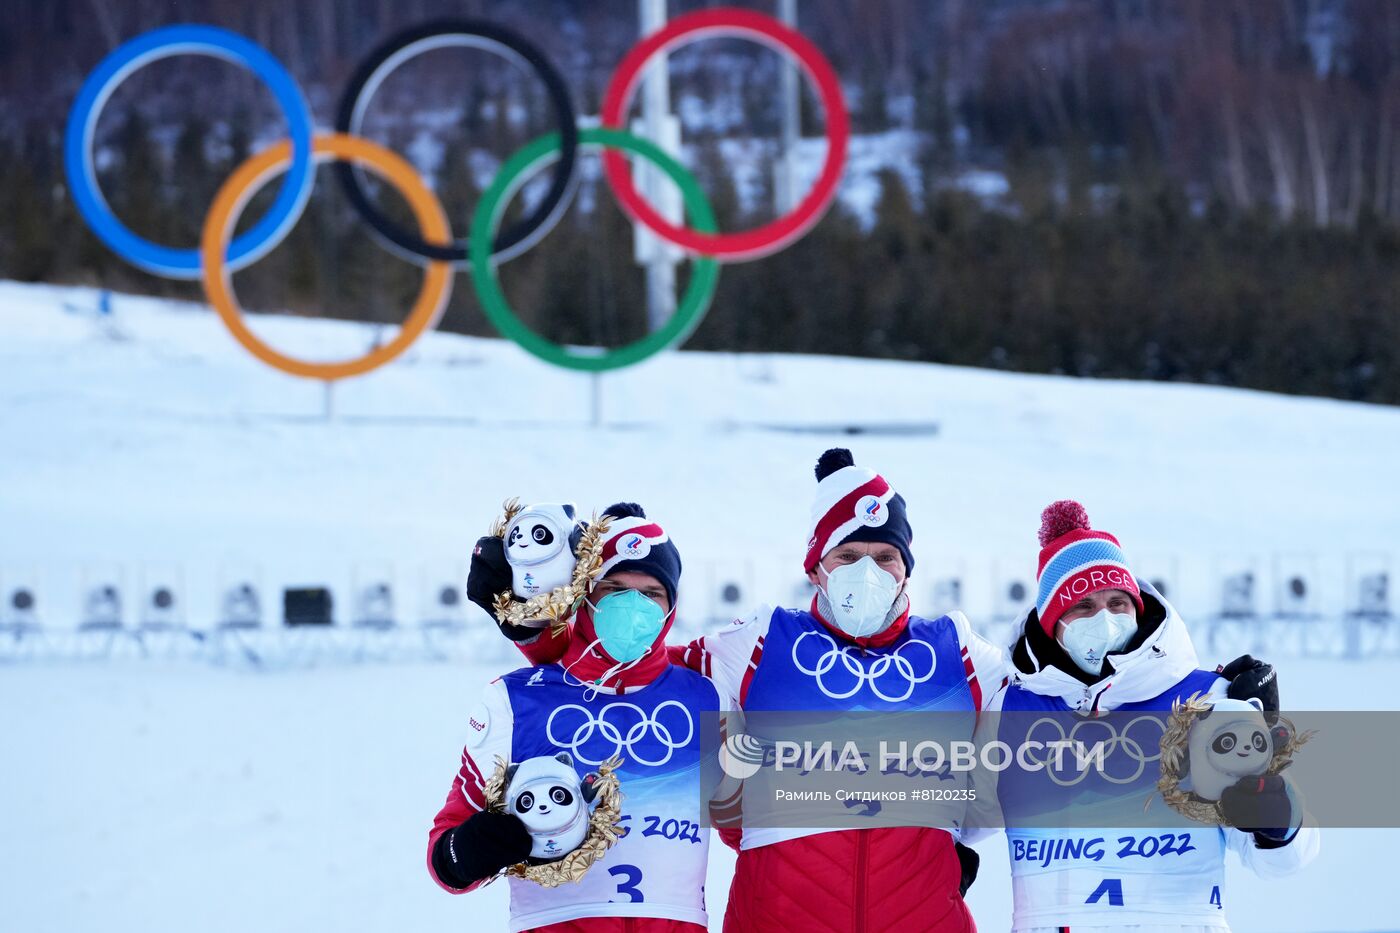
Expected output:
(613, 693)
(859, 558)
(1100, 642)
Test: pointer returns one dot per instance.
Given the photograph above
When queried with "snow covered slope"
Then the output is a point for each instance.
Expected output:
(174, 445)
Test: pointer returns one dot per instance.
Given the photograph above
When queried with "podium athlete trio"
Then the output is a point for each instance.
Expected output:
(1097, 640)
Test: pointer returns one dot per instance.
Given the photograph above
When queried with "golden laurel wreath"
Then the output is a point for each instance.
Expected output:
(559, 603)
(603, 824)
(1174, 754)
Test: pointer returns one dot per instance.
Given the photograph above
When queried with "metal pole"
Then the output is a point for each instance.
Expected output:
(597, 383)
(785, 192)
(660, 261)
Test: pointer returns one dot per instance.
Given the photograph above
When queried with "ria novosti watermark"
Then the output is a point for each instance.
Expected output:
(1043, 769)
(906, 757)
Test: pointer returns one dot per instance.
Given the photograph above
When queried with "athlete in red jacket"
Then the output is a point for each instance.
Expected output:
(902, 878)
(614, 692)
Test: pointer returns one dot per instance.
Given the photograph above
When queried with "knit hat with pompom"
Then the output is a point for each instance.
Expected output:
(855, 504)
(1076, 561)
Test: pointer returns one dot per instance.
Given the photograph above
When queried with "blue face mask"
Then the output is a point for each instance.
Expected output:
(627, 624)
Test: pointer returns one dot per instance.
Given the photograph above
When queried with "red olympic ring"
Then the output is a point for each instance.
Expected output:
(731, 22)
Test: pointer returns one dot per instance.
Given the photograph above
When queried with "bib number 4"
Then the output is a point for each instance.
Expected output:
(1113, 888)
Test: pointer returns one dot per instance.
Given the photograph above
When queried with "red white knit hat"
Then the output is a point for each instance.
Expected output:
(854, 504)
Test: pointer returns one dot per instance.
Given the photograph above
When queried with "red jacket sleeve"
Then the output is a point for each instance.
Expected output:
(691, 655)
(464, 799)
(548, 647)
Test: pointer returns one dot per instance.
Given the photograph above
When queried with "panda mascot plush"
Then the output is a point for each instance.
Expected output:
(553, 803)
(1228, 742)
(550, 559)
(1211, 748)
(540, 542)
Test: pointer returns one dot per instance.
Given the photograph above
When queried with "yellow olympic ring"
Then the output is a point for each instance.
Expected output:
(233, 197)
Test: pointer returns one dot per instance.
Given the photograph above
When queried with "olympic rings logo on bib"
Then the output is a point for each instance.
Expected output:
(433, 244)
(891, 677)
(623, 729)
(1112, 740)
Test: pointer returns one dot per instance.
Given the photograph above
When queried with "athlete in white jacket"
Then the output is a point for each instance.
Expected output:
(1099, 641)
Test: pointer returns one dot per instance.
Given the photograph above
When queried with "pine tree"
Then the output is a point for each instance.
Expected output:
(136, 186)
(193, 183)
(27, 248)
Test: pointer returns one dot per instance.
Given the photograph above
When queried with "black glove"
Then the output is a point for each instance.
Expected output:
(489, 573)
(1259, 805)
(480, 847)
(1251, 679)
(968, 860)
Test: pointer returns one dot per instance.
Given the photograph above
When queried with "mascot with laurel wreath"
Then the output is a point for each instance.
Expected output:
(1233, 761)
(534, 568)
(555, 750)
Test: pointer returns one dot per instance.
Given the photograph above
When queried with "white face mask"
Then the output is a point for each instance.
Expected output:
(1089, 640)
(860, 595)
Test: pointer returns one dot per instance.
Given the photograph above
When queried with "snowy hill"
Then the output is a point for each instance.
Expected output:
(147, 796)
(173, 446)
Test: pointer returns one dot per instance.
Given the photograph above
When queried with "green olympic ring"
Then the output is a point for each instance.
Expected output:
(512, 176)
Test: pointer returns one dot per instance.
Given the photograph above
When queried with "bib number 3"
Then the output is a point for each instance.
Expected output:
(629, 876)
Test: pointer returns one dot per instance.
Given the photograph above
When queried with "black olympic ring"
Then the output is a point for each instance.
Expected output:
(398, 49)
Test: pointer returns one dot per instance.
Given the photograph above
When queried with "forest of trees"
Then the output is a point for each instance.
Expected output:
(1199, 190)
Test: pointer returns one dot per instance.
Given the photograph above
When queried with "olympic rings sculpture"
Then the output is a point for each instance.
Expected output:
(1113, 741)
(648, 725)
(862, 676)
(433, 245)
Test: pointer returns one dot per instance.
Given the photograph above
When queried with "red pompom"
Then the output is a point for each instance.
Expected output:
(1060, 518)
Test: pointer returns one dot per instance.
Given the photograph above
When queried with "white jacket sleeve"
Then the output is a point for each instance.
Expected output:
(988, 665)
(983, 817)
(1280, 861)
(490, 728)
(730, 656)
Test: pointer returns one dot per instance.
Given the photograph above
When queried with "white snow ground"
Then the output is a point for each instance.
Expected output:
(174, 796)
(142, 797)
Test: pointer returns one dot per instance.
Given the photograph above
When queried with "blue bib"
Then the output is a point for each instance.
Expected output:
(805, 667)
(1129, 735)
(657, 867)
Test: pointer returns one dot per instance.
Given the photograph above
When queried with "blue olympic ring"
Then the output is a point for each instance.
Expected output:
(149, 47)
